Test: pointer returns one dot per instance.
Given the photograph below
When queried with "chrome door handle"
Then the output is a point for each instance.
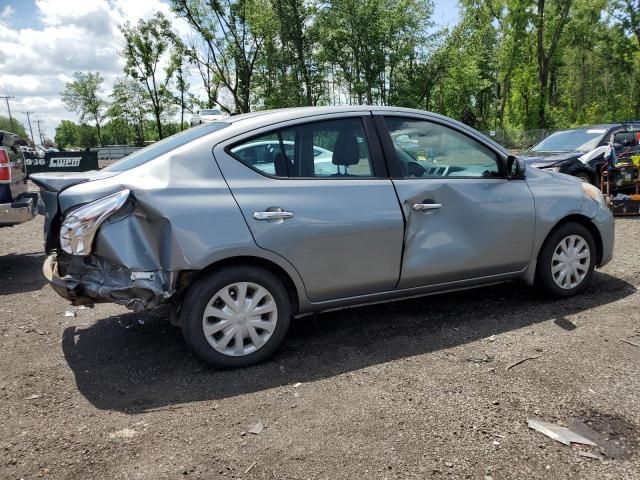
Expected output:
(426, 206)
(276, 215)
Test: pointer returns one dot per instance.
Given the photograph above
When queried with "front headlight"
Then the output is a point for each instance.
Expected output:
(594, 193)
(80, 225)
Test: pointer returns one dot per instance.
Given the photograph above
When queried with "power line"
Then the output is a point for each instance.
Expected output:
(7, 97)
(30, 129)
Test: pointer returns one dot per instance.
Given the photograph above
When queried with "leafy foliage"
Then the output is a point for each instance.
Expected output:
(82, 96)
(145, 46)
(17, 127)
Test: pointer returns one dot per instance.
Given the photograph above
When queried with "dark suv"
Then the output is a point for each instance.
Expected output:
(17, 205)
(580, 151)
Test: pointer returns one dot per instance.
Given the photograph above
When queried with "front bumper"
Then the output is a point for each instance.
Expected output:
(90, 280)
(20, 211)
(605, 223)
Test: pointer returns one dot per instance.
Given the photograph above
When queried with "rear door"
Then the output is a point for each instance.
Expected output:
(333, 215)
(465, 220)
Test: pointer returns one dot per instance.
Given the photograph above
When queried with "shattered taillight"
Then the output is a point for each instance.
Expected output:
(5, 166)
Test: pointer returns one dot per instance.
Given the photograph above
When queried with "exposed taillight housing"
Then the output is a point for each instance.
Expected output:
(5, 166)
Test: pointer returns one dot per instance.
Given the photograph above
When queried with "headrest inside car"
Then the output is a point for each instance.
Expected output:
(346, 150)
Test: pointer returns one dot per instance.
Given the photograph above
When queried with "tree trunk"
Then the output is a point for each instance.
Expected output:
(98, 131)
(156, 111)
(543, 68)
(181, 103)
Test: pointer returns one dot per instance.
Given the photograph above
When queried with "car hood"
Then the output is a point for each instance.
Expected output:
(547, 159)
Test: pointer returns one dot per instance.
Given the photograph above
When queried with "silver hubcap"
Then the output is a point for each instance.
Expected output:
(570, 262)
(239, 319)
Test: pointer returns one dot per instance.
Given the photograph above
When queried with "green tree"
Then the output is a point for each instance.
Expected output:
(82, 96)
(366, 43)
(145, 45)
(131, 105)
(66, 134)
(17, 128)
(87, 136)
(232, 32)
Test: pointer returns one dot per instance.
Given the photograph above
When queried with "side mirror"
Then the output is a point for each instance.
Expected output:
(515, 168)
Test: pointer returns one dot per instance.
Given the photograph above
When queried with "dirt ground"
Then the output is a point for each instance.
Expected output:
(414, 389)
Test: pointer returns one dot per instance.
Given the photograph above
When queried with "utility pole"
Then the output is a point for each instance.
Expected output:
(39, 123)
(7, 98)
(30, 129)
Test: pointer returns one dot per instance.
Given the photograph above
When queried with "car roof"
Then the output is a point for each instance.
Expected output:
(263, 118)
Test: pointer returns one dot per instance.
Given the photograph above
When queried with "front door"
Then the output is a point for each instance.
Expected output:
(317, 194)
(465, 220)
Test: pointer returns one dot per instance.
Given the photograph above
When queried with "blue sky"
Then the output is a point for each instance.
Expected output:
(445, 12)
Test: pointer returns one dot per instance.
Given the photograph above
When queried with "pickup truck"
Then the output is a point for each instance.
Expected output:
(17, 204)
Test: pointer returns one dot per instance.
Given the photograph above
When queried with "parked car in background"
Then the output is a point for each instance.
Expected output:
(237, 247)
(578, 151)
(26, 149)
(206, 115)
(264, 155)
(17, 205)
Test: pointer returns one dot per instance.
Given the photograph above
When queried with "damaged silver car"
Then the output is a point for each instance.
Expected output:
(238, 225)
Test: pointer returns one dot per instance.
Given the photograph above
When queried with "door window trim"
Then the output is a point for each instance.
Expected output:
(392, 160)
(377, 161)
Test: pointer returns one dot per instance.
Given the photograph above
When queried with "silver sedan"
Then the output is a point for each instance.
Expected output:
(238, 226)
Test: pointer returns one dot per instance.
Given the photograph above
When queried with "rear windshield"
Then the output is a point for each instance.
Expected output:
(163, 146)
(210, 112)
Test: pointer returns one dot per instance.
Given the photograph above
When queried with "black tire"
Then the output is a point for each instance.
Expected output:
(203, 291)
(584, 177)
(544, 276)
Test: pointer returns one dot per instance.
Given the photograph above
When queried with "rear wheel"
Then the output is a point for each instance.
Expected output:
(566, 261)
(236, 317)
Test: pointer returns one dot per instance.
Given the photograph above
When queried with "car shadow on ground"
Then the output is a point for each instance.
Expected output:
(21, 273)
(137, 362)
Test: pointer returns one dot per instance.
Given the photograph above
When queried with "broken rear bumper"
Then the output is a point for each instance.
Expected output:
(90, 280)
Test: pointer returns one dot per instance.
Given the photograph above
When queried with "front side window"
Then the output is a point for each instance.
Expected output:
(327, 149)
(429, 150)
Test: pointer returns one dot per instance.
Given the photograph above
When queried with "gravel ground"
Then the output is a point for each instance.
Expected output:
(412, 389)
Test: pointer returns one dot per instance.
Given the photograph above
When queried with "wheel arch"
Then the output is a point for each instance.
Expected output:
(186, 278)
(592, 175)
(585, 222)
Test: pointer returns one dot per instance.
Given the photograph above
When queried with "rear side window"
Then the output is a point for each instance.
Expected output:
(329, 149)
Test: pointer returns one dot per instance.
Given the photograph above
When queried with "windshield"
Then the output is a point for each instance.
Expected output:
(163, 146)
(578, 140)
(210, 112)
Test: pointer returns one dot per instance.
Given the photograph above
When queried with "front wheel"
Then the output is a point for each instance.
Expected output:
(236, 317)
(583, 177)
(566, 261)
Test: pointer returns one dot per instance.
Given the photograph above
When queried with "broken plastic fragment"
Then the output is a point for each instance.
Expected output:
(257, 428)
(558, 433)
